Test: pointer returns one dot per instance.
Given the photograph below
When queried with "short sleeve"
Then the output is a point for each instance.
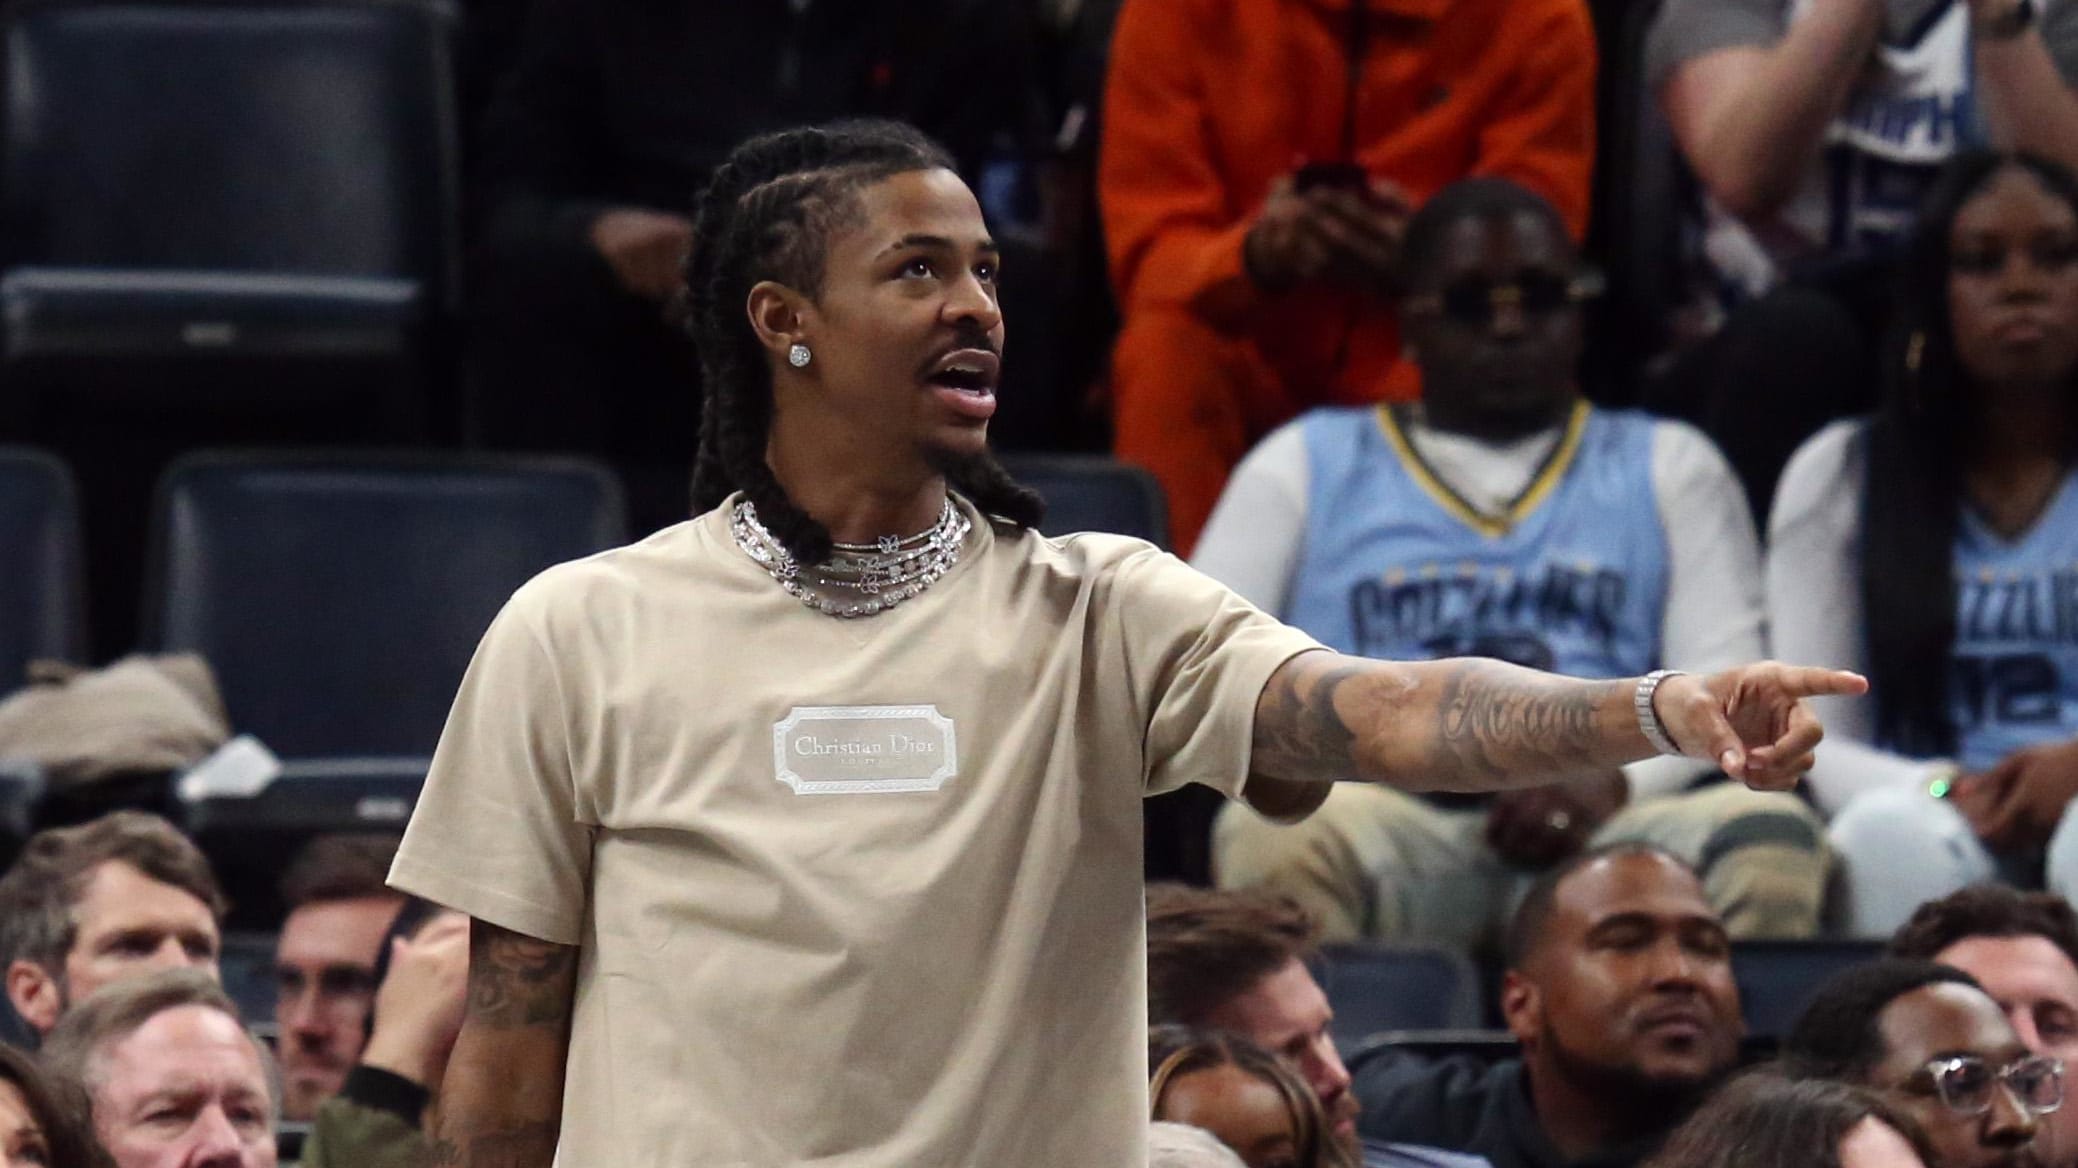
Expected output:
(495, 833)
(1199, 656)
(1687, 29)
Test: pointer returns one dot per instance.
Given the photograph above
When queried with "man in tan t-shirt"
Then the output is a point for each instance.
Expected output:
(783, 850)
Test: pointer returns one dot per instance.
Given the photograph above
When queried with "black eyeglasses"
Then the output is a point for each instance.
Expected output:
(1965, 1083)
(1476, 302)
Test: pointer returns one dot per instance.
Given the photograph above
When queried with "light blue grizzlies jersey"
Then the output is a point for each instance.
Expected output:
(2013, 677)
(1571, 578)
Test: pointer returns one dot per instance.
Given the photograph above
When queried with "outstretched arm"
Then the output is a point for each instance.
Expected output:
(1477, 725)
(501, 1104)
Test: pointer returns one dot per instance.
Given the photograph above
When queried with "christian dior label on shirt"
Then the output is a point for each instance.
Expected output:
(864, 750)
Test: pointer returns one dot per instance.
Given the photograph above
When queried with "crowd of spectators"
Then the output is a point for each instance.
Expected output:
(1629, 1042)
(1346, 242)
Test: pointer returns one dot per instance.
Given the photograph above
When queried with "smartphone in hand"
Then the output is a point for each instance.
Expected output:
(1341, 175)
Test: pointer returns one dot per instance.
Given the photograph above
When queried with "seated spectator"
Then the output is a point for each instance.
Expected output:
(170, 1075)
(1931, 547)
(1179, 1145)
(1258, 164)
(88, 905)
(324, 965)
(1933, 1044)
(1241, 1093)
(41, 1125)
(1236, 962)
(1815, 127)
(1502, 516)
(609, 121)
(377, 1120)
(2022, 947)
(1767, 1121)
(1619, 991)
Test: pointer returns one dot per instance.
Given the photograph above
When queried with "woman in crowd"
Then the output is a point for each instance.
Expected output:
(1241, 1093)
(1934, 547)
(1766, 1121)
(39, 1128)
(1178, 1145)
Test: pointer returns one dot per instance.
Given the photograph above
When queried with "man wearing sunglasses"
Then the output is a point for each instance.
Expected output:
(1930, 1039)
(1501, 516)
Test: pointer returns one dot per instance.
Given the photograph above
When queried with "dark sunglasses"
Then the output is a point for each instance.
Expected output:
(1476, 302)
(1965, 1083)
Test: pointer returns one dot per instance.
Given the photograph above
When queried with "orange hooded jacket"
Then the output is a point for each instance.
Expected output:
(1208, 102)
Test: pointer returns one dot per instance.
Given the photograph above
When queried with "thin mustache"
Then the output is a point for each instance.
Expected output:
(975, 339)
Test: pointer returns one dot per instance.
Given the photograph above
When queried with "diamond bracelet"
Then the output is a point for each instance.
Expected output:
(1649, 724)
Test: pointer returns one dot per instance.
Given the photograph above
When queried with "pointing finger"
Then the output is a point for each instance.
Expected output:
(1803, 681)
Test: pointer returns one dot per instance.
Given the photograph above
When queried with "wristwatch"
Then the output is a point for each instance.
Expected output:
(2014, 19)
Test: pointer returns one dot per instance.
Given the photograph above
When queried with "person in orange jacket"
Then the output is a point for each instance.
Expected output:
(1260, 158)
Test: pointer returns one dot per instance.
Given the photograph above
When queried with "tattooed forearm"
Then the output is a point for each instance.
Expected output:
(501, 1104)
(516, 980)
(1500, 725)
(1466, 725)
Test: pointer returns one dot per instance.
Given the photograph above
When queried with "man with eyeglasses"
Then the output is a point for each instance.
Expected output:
(2023, 947)
(1502, 516)
(1931, 1040)
(324, 964)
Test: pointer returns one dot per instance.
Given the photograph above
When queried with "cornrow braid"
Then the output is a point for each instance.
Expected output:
(767, 214)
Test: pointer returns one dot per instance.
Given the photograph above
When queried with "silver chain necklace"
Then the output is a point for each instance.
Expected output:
(859, 579)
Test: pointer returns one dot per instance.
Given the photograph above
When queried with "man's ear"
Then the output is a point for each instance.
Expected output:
(779, 316)
(1522, 1006)
(35, 994)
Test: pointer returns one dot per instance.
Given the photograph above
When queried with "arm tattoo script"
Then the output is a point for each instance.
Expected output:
(515, 980)
(1467, 725)
(1499, 724)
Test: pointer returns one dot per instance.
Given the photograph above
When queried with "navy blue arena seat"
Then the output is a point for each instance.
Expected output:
(339, 598)
(1375, 988)
(1776, 978)
(242, 201)
(1092, 493)
(41, 607)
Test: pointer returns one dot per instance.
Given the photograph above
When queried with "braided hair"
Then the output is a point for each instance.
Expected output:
(1912, 503)
(768, 213)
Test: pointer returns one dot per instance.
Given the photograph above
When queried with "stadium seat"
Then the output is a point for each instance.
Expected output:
(247, 966)
(41, 606)
(41, 611)
(1489, 1046)
(339, 598)
(1092, 493)
(1376, 988)
(217, 202)
(1776, 978)
(1492, 1046)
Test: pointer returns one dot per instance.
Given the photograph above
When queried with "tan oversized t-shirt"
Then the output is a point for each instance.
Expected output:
(849, 893)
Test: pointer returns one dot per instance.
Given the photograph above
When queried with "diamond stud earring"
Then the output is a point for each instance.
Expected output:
(798, 356)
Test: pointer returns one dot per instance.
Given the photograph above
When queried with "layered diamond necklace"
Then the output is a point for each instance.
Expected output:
(859, 579)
